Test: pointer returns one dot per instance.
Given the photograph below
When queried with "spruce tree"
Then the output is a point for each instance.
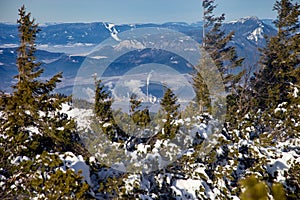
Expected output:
(202, 97)
(139, 117)
(216, 44)
(280, 58)
(274, 88)
(103, 102)
(32, 121)
(275, 84)
(33, 103)
(102, 108)
(170, 109)
(135, 105)
(104, 114)
(21, 108)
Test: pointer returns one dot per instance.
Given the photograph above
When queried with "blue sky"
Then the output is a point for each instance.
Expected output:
(131, 11)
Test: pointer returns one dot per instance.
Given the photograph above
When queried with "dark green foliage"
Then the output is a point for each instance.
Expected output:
(257, 189)
(32, 103)
(254, 189)
(50, 182)
(139, 117)
(274, 99)
(33, 127)
(224, 56)
(169, 103)
(134, 104)
(170, 109)
(66, 185)
(21, 108)
(103, 102)
(202, 99)
(113, 187)
(104, 114)
(280, 58)
(278, 191)
(40, 177)
(31, 122)
(102, 109)
(293, 181)
(275, 84)
(216, 44)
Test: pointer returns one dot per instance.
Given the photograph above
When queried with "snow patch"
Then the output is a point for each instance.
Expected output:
(9, 45)
(82, 116)
(113, 31)
(19, 159)
(187, 187)
(98, 57)
(282, 164)
(256, 34)
(129, 44)
(76, 163)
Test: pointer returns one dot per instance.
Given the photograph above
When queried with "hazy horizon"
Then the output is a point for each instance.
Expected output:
(131, 11)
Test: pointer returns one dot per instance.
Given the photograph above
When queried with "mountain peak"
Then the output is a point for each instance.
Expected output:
(245, 19)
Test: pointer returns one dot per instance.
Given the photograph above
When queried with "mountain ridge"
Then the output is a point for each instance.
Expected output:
(64, 46)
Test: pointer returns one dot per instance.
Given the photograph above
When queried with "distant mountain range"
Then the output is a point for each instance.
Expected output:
(63, 47)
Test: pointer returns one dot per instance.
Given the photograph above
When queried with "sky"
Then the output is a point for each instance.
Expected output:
(131, 11)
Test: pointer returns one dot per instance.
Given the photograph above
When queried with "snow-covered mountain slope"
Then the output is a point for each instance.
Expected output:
(88, 34)
(75, 40)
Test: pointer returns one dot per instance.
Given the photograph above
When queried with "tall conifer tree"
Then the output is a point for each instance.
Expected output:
(216, 44)
(104, 113)
(139, 116)
(170, 109)
(33, 125)
(280, 58)
(32, 103)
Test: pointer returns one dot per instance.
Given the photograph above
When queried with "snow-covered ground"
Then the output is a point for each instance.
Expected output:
(196, 183)
(150, 167)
